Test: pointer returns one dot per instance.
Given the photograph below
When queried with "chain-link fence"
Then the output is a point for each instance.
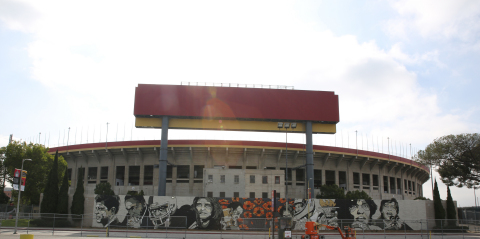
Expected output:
(469, 215)
(181, 227)
(8, 211)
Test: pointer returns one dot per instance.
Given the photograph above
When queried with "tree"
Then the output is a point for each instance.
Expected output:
(421, 198)
(62, 207)
(458, 157)
(357, 195)
(451, 212)
(426, 158)
(78, 197)
(104, 189)
(331, 192)
(3, 197)
(37, 169)
(50, 193)
(438, 207)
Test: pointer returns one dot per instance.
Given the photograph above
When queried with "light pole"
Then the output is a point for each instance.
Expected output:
(286, 125)
(356, 141)
(19, 193)
(68, 137)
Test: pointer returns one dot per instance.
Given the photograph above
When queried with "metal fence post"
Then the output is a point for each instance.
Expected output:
(126, 231)
(405, 230)
(384, 233)
(81, 227)
(441, 225)
(427, 227)
(243, 226)
(53, 229)
(28, 225)
(421, 229)
(186, 227)
(146, 230)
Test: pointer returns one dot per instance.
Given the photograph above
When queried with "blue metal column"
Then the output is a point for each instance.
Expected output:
(309, 163)
(162, 164)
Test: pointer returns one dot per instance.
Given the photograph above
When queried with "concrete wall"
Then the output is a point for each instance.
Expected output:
(232, 213)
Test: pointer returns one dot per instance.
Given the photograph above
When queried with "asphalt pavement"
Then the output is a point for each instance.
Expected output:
(7, 233)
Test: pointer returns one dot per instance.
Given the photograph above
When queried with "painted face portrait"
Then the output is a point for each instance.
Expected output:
(208, 213)
(299, 206)
(389, 210)
(204, 208)
(101, 212)
(106, 208)
(360, 211)
(135, 208)
(160, 212)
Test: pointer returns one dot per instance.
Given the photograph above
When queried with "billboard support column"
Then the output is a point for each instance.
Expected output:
(162, 164)
(309, 163)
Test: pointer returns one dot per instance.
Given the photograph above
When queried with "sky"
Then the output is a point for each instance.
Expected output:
(405, 71)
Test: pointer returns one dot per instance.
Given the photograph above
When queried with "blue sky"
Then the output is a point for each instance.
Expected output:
(406, 70)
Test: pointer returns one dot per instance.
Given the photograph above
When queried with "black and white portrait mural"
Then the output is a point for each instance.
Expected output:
(252, 213)
(106, 209)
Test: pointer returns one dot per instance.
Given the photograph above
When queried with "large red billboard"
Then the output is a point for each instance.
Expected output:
(236, 103)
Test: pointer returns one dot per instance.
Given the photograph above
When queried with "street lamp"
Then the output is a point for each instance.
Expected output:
(286, 125)
(19, 193)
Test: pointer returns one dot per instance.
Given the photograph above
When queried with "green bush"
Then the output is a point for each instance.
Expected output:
(61, 222)
(11, 223)
(357, 195)
(332, 191)
(451, 229)
(421, 198)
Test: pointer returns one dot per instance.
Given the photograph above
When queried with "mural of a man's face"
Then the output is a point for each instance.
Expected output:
(204, 208)
(389, 210)
(330, 212)
(361, 211)
(299, 205)
(134, 207)
(161, 211)
(102, 213)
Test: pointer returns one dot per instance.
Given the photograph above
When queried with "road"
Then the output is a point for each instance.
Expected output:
(7, 233)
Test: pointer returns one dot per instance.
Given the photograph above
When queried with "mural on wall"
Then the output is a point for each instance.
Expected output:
(248, 213)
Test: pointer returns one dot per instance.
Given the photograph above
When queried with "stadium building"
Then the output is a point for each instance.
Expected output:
(249, 169)
(252, 169)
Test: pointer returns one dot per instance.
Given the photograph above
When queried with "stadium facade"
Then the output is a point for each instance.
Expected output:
(248, 169)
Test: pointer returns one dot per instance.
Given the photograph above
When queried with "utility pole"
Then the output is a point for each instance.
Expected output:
(356, 142)
(388, 139)
(106, 138)
(68, 137)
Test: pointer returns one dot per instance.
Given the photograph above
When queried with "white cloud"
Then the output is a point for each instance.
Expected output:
(4, 140)
(431, 56)
(18, 15)
(436, 19)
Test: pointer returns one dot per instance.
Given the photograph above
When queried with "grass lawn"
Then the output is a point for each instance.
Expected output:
(11, 222)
